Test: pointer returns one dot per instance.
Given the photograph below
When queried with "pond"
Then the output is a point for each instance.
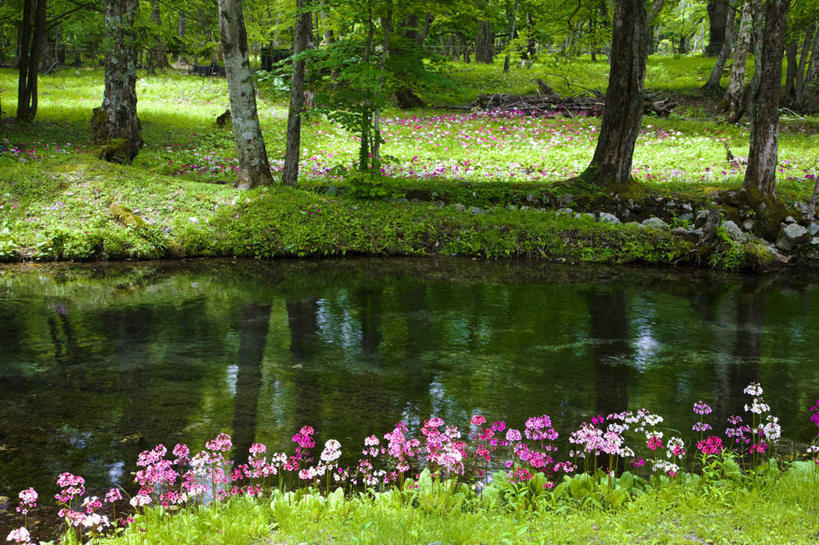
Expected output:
(98, 362)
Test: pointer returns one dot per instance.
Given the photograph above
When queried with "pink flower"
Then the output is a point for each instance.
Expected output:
(478, 420)
(113, 495)
(655, 442)
(513, 435)
(710, 445)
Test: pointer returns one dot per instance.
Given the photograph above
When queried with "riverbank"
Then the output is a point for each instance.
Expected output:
(772, 509)
(478, 184)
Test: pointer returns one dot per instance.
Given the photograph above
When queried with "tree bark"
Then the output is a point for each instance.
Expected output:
(512, 18)
(116, 127)
(733, 101)
(181, 29)
(301, 41)
(806, 67)
(159, 57)
(254, 169)
(623, 113)
(760, 176)
(386, 26)
(485, 43)
(717, 16)
(712, 85)
(32, 37)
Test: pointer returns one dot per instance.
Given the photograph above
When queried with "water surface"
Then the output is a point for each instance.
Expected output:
(98, 362)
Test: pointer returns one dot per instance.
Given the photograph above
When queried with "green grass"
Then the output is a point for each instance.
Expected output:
(782, 510)
(56, 200)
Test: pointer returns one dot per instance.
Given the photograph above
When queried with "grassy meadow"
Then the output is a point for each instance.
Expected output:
(56, 199)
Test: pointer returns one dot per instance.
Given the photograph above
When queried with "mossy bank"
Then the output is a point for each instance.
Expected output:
(80, 208)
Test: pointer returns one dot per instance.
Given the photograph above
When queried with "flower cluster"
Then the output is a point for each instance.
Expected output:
(628, 439)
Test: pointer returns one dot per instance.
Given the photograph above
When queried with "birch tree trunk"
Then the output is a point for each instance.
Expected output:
(254, 169)
(623, 113)
(301, 41)
(759, 184)
(116, 127)
(734, 95)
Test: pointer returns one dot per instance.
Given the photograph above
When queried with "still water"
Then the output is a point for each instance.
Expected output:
(100, 362)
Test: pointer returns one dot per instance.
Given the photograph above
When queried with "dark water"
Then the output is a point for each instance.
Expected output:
(100, 362)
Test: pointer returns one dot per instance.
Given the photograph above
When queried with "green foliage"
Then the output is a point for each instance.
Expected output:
(779, 509)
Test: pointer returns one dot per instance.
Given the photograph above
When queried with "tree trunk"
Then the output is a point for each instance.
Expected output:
(712, 85)
(623, 113)
(717, 16)
(32, 36)
(116, 127)
(301, 41)
(805, 69)
(790, 73)
(760, 176)
(327, 33)
(181, 29)
(512, 17)
(733, 101)
(485, 43)
(751, 88)
(159, 57)
(254, 169)
(386, 25)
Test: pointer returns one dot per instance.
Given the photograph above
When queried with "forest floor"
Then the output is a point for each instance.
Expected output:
(474, 183)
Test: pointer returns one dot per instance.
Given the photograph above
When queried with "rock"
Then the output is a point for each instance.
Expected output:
(790, 219)
(459, 207)
(687, 217)
(655, 223)
(802, 207)
(565, 212)
(565, 200)
(531, 198)
(605, 217)
(813, 228)
(701, 218)
(734, 231)
(477, 210)
(524, 207)
(748, 225)
(634, 223)
(687, 207)
(670, 204)
(810, 251)
(791, 236)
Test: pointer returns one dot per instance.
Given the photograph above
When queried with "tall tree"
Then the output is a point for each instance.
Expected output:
(623, 114)
(734, 98)
(116, 127)
(158, 56)
(712, 85)
(301, 42)
(254, 170)
(759, 184)
(717, 17)
(32, 38)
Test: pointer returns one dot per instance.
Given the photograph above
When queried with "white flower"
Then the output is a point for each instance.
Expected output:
(753, 389)
(773, 431)
(20, 535)
(140, 499)
(757, 407)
